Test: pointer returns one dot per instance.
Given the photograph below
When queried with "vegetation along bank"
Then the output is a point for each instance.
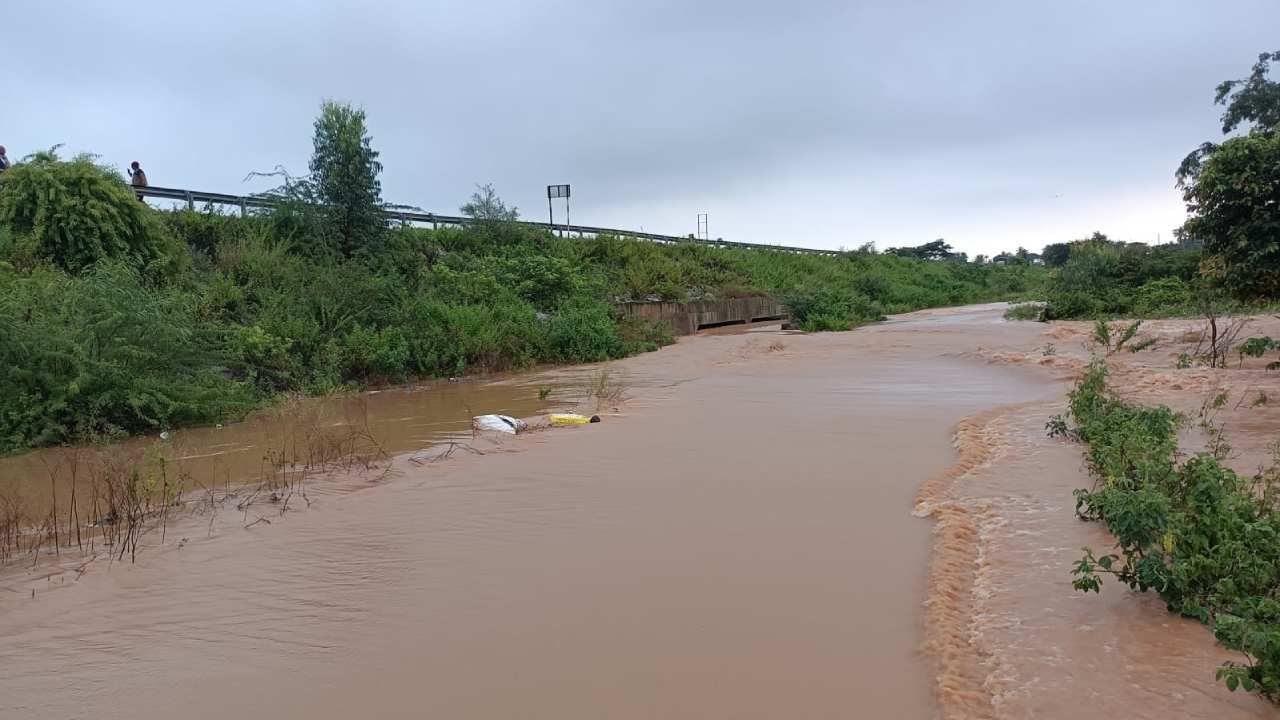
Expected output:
(1203, 536)
(119, 319)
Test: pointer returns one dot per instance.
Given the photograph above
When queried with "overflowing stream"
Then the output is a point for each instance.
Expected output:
(769, 525)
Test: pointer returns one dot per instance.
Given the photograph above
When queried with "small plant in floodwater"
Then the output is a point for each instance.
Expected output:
(1256, 347)
(1217, 337)
(544, 392)
(119, 494)
(1102, 333)
(1122, 337)
(1215, 431)
(1184, 361)
(1049, 350)
(777, 346)
(1057, 427)
(606, 389)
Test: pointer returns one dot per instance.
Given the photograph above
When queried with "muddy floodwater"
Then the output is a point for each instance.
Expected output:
(770, 525)
(397, 420)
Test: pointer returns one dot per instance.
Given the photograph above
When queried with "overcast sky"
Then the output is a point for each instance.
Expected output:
(990, 124)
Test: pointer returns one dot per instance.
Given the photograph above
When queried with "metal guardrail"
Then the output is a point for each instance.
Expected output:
(245, 202)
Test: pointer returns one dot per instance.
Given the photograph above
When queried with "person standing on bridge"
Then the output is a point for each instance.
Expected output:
(137, 177)
(4, 160)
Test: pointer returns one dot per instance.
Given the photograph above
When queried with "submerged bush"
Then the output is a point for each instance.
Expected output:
(641, 335)
(1025, 311)
(830, 309)
(584, 332)
(1206, 539)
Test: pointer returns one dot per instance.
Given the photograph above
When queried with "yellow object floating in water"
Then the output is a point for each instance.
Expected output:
(572, 419)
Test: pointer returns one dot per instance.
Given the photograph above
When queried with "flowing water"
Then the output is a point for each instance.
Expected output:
(399, 420)
(743, 539)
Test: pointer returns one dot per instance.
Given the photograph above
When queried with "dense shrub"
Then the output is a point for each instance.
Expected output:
(104, 354)
(1203, 537)
(205, 232)
(584, 332)
(821, 309)
(1025, 311)
(1166, 296)
(641, 335)
(74, 213)
(1101, 278)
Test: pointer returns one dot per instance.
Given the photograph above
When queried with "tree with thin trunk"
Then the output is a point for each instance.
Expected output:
(344, 172)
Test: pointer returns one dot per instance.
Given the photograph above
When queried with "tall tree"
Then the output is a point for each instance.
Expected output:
(1056, 254)
(1252, 101)
(1232, 189)
(486, 205)
(1234, 204)
(344, 172)
(937, 250)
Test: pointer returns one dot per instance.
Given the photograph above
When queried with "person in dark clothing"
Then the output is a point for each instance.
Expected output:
(136, 176)
(4, 160)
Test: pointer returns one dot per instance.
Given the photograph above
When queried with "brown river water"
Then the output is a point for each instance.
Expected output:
(771, 525)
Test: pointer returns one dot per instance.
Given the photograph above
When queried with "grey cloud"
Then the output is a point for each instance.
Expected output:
(829, 124)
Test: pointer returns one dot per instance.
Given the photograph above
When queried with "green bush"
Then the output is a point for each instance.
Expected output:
(1102, 279)
(584, 332)
(207, 231)
(1163, 297)
(75, 213)
(826, 322)
(104, 354)
(823, 309)
(1206, 539)
(1025, 311)
(641, 335)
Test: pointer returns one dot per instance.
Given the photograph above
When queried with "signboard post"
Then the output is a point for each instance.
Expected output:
(558, 191)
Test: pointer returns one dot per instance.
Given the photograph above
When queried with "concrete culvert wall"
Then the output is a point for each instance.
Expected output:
(688, 318)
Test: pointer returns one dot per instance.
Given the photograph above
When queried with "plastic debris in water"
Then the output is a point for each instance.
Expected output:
(499, 423)
(571, 419)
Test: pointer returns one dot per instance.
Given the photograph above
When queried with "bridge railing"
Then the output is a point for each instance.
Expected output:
(247, 202)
